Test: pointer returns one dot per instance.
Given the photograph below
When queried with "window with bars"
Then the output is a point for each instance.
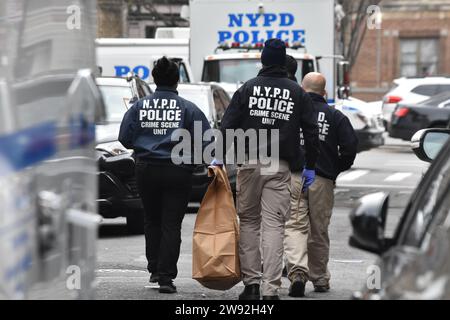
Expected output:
(419, 57)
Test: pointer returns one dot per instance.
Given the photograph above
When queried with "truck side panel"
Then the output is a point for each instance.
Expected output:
(216, 21)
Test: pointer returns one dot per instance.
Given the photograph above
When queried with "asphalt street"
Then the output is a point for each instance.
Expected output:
(393, 168)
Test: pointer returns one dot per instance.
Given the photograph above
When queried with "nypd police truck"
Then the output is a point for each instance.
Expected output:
(117, 57)
(225, 46)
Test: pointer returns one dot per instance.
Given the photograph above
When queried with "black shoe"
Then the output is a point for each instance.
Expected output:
(322, 289)
(271, 297)
(167, 288)
(154, 278)
(284, 273)
(251, 292)
(297, 288)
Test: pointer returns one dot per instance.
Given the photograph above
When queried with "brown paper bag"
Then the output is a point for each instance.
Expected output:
(215, 256)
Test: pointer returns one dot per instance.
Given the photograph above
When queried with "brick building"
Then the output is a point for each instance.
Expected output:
(132, 19)
(414, 40)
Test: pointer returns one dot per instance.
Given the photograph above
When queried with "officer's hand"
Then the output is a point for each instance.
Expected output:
(216, 163)
(309, 176)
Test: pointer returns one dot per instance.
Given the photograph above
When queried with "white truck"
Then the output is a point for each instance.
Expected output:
(227, 37)
(116, 57)
(243, 26)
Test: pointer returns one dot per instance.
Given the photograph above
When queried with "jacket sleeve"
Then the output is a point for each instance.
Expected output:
(308, 123)
(347, 142)
(197, 116)
(232, 119)
(128, 127)
(233, 115)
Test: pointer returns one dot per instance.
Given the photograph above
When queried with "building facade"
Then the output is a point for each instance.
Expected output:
(413, 41)
(139, 18)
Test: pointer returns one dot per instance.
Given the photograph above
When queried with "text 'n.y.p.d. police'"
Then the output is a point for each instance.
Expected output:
(271, 104)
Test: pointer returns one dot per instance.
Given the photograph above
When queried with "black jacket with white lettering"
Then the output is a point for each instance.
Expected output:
(147, 127)
(338, 141)
(272, 101)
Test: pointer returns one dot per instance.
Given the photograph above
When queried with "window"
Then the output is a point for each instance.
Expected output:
(241, 70)
(307, 66)
(427, 208)
(220, 103)
(116, 101)
(419, 57)
(431, 89)
(184, 77)
(150, 31)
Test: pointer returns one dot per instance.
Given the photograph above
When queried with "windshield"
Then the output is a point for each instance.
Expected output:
(427, 207)
(240, 70)
(116, 99)
(199, 97)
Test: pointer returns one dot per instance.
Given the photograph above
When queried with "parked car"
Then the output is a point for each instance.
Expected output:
(118, 193)
(412, 90)
(366, 120)
(410, 118)
(415, 262)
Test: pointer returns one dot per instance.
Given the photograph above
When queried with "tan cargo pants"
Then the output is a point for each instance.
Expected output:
(306, 242)
(263, 205)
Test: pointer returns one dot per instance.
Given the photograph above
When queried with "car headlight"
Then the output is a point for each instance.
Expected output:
(113, 148)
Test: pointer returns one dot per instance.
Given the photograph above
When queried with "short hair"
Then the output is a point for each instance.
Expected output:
(291, 65)
(166, 72)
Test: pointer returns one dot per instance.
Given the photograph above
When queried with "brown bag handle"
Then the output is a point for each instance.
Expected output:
(221, 172)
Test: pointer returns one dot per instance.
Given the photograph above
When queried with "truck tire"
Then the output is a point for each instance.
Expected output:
(135, 222)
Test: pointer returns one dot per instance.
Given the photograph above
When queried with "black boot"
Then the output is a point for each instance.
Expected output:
(154, 278)
(322, 288)
(167, 287)
(297, 288)
(251, 292)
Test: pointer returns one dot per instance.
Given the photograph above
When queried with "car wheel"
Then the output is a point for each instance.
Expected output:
(135, 222)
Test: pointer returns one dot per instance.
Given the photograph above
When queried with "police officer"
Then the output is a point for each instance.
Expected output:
(272, 102)
(291, 68)
(164, 186)
(306, 239)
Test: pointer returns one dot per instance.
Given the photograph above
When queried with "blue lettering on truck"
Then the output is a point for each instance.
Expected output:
(142, 71)
(271, 25)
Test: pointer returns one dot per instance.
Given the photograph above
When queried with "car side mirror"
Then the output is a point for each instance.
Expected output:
(427, 143)
(368, 220)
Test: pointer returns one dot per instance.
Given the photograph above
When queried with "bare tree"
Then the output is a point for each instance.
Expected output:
(352, 16)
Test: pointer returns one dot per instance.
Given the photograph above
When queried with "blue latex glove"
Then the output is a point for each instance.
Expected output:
(309, 176)
(216, 163)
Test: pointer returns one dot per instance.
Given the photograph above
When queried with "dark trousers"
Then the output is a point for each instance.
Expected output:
(165, 192)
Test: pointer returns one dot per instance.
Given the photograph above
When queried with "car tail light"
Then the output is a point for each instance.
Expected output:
(393, 99)
(401, 112)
